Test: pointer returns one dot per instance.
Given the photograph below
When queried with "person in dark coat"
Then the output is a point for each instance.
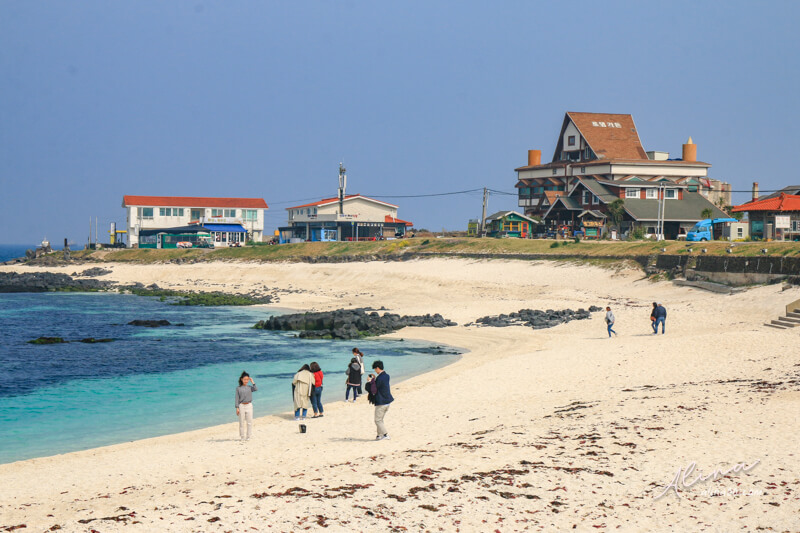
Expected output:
(661, 318)
(353, 379)
(382, 398)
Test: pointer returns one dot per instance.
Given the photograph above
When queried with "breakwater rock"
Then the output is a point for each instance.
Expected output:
(536, 319)
(47, 281)
(150, 323)
(349, 323)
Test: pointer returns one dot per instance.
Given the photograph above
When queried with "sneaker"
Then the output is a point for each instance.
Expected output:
(385, 437)
(297, 419)
(379, 437)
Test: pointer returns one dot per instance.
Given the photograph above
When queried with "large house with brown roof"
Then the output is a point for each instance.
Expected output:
(356, 217)
(607, 147)
(152, 220)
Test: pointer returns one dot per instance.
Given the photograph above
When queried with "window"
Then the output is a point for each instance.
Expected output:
(216, 212)
(587, 197)
(197, 213)
(230, 213)
(740, 232)
(670, 194)
(524, 191)
(631, 192)
(146, 212)
(651, 193)
(538, 190)
(177, 211)
(595, 200)
(554, 171)
(250, 214)
(587, 153)
(162, 211)
(571, 140)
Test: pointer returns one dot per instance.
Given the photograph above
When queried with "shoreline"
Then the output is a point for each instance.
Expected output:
(529, 429)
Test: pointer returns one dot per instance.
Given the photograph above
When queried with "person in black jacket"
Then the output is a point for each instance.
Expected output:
(353, 379)
(382, 393)
(661, 318)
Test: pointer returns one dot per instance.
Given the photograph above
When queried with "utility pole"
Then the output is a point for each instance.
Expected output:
(342, 187)
(482, 225)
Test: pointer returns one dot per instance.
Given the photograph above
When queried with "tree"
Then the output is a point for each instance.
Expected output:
(706, 213)
(616, 210)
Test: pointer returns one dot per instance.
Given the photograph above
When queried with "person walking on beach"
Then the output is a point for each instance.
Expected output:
(610, 322)
(360, 356)
(353, 379)
(303, 382)
(244, 404)
(653, 317)
(316, 391)
(661, 318)
(382, 393)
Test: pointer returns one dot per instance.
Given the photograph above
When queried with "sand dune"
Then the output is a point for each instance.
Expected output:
(531, 430)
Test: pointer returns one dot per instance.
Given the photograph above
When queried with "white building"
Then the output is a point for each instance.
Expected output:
(357, 218)
(228, 220)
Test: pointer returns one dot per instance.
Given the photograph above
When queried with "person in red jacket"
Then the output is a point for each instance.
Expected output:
(316, 392)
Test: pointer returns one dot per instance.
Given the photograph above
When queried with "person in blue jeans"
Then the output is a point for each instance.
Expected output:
(610, 321)
(653, 317)
(316, 392)
(661, 318)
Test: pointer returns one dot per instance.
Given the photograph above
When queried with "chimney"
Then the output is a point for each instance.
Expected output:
(534, 158)
(755, 191)
(690, 151)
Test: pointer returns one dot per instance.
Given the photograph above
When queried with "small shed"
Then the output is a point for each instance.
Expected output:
(509, 224)
(592, 222)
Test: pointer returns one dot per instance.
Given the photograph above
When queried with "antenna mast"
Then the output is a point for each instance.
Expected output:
(342, 187)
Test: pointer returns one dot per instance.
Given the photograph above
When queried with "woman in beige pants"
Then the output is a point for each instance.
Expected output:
(244, 404)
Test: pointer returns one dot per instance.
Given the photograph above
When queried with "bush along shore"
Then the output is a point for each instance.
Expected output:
(348, 323)
(536, 319)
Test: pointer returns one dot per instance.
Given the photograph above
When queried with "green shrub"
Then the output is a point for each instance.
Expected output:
(555, 245)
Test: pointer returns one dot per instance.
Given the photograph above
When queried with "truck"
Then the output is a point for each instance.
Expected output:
(708, 229)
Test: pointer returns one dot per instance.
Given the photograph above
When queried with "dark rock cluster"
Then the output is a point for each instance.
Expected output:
(92, 272)
(47, 281)
(150, 323)
(348, 323)
(535, 318)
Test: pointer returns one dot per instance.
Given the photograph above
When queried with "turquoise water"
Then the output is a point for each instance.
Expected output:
(151, 382)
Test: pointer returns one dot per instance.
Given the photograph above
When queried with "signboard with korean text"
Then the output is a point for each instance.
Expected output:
(783, 221)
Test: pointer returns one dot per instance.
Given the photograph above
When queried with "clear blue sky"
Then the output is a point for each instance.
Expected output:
(263, 99)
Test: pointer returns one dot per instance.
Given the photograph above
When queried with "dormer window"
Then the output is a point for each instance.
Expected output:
(571, 140)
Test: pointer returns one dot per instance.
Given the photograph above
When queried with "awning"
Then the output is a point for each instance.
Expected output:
(173, 231)
(230, 228)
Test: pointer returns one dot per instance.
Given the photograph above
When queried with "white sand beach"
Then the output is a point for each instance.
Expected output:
(550, 430)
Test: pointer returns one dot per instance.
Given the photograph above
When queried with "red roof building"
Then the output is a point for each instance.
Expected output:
(229, 220)
(776, 217)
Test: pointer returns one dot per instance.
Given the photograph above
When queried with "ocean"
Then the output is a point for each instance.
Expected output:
(12, 251)
(154, 381)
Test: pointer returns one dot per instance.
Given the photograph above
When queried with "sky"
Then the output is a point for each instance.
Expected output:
(264, 99)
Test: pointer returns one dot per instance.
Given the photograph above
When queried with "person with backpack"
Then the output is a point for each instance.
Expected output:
(382, 397)
(360, 356)
(353, 379)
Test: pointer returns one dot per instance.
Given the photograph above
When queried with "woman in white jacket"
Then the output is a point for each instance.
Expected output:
(302, 385)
